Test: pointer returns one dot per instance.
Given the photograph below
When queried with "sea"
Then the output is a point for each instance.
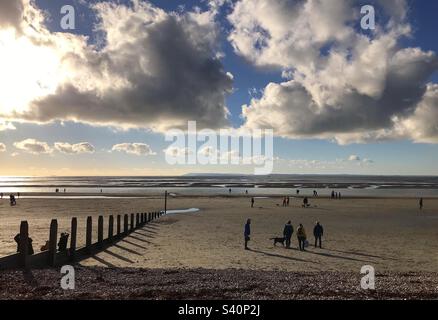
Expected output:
(220, 185)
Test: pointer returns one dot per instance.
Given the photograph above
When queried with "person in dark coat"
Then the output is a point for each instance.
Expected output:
(287, 233)
(29, 244)
(305, 202)
(247, 233)
(62, 244)
(318, 232)
(252, 202)
(421, 204)
(12, 200)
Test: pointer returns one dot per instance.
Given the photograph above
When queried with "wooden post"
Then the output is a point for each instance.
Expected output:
(89, 233)
(23, 247)
(52, 242)
(142, 218)
(100, 230)
(132, 221)
(73, 235)
(125, 224)
(118, 224)
(137, 220)
(110, 227)
(149, 217)
(165, 202)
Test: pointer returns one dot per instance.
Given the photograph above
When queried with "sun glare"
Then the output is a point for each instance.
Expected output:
(27, 72)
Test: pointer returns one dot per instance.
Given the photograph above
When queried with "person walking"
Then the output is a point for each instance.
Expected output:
(318, 232)
(301, 235)
(421, 204)
(252, 202)
(247, 233)
(287, 233)
(305, 202)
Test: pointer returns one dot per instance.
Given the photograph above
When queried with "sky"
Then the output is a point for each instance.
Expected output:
(99, 99)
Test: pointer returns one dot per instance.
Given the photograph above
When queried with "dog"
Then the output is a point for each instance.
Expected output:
(278, 240)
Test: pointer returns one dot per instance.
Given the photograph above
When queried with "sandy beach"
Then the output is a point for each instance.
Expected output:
(392, 235)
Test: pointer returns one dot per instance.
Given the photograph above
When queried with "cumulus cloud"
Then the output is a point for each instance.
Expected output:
(78, 148)
(177, 152)
(155, 70)
(11, 13)
(33, 146)
(341, 84)
(2, 147)
(139, 149)
(423, 124)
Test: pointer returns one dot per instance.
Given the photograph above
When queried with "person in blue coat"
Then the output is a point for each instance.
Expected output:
(247, 233)
(287, 233)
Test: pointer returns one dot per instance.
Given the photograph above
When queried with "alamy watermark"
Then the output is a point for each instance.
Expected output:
(367, 22)
(68, 278)
(68, 20)
(368, 281)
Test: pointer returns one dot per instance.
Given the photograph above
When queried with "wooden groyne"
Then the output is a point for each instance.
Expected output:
(53, 258)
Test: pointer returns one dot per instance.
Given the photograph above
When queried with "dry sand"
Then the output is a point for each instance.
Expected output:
(390, 234)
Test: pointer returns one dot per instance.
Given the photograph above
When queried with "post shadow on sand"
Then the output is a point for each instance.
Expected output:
(127, 249)
(361, 254)
(134, 244)
(108, 264)
(334, 256)
(151, 225)
(275, 255)
(140, 239)
(144, 235)
(146, 231)
(118, 256)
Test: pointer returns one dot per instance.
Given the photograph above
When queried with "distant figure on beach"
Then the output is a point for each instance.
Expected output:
(1, 194)
(56, 190)
(62, 244)
(421, 204)
(247, 233)
(65, 190)
(287, 201)
(315, 193)
(12, 200)
(306, 202)
(246, 191)
(18, 195)
(339, 195)
(333, 194)
(252, 202)
(298, 192)
(229, 191)
(29, 244)
(301, 235)
(287, 233)
(284, 202)
(318, 232)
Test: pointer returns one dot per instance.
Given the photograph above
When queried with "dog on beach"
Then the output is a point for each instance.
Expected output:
(278, 240)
